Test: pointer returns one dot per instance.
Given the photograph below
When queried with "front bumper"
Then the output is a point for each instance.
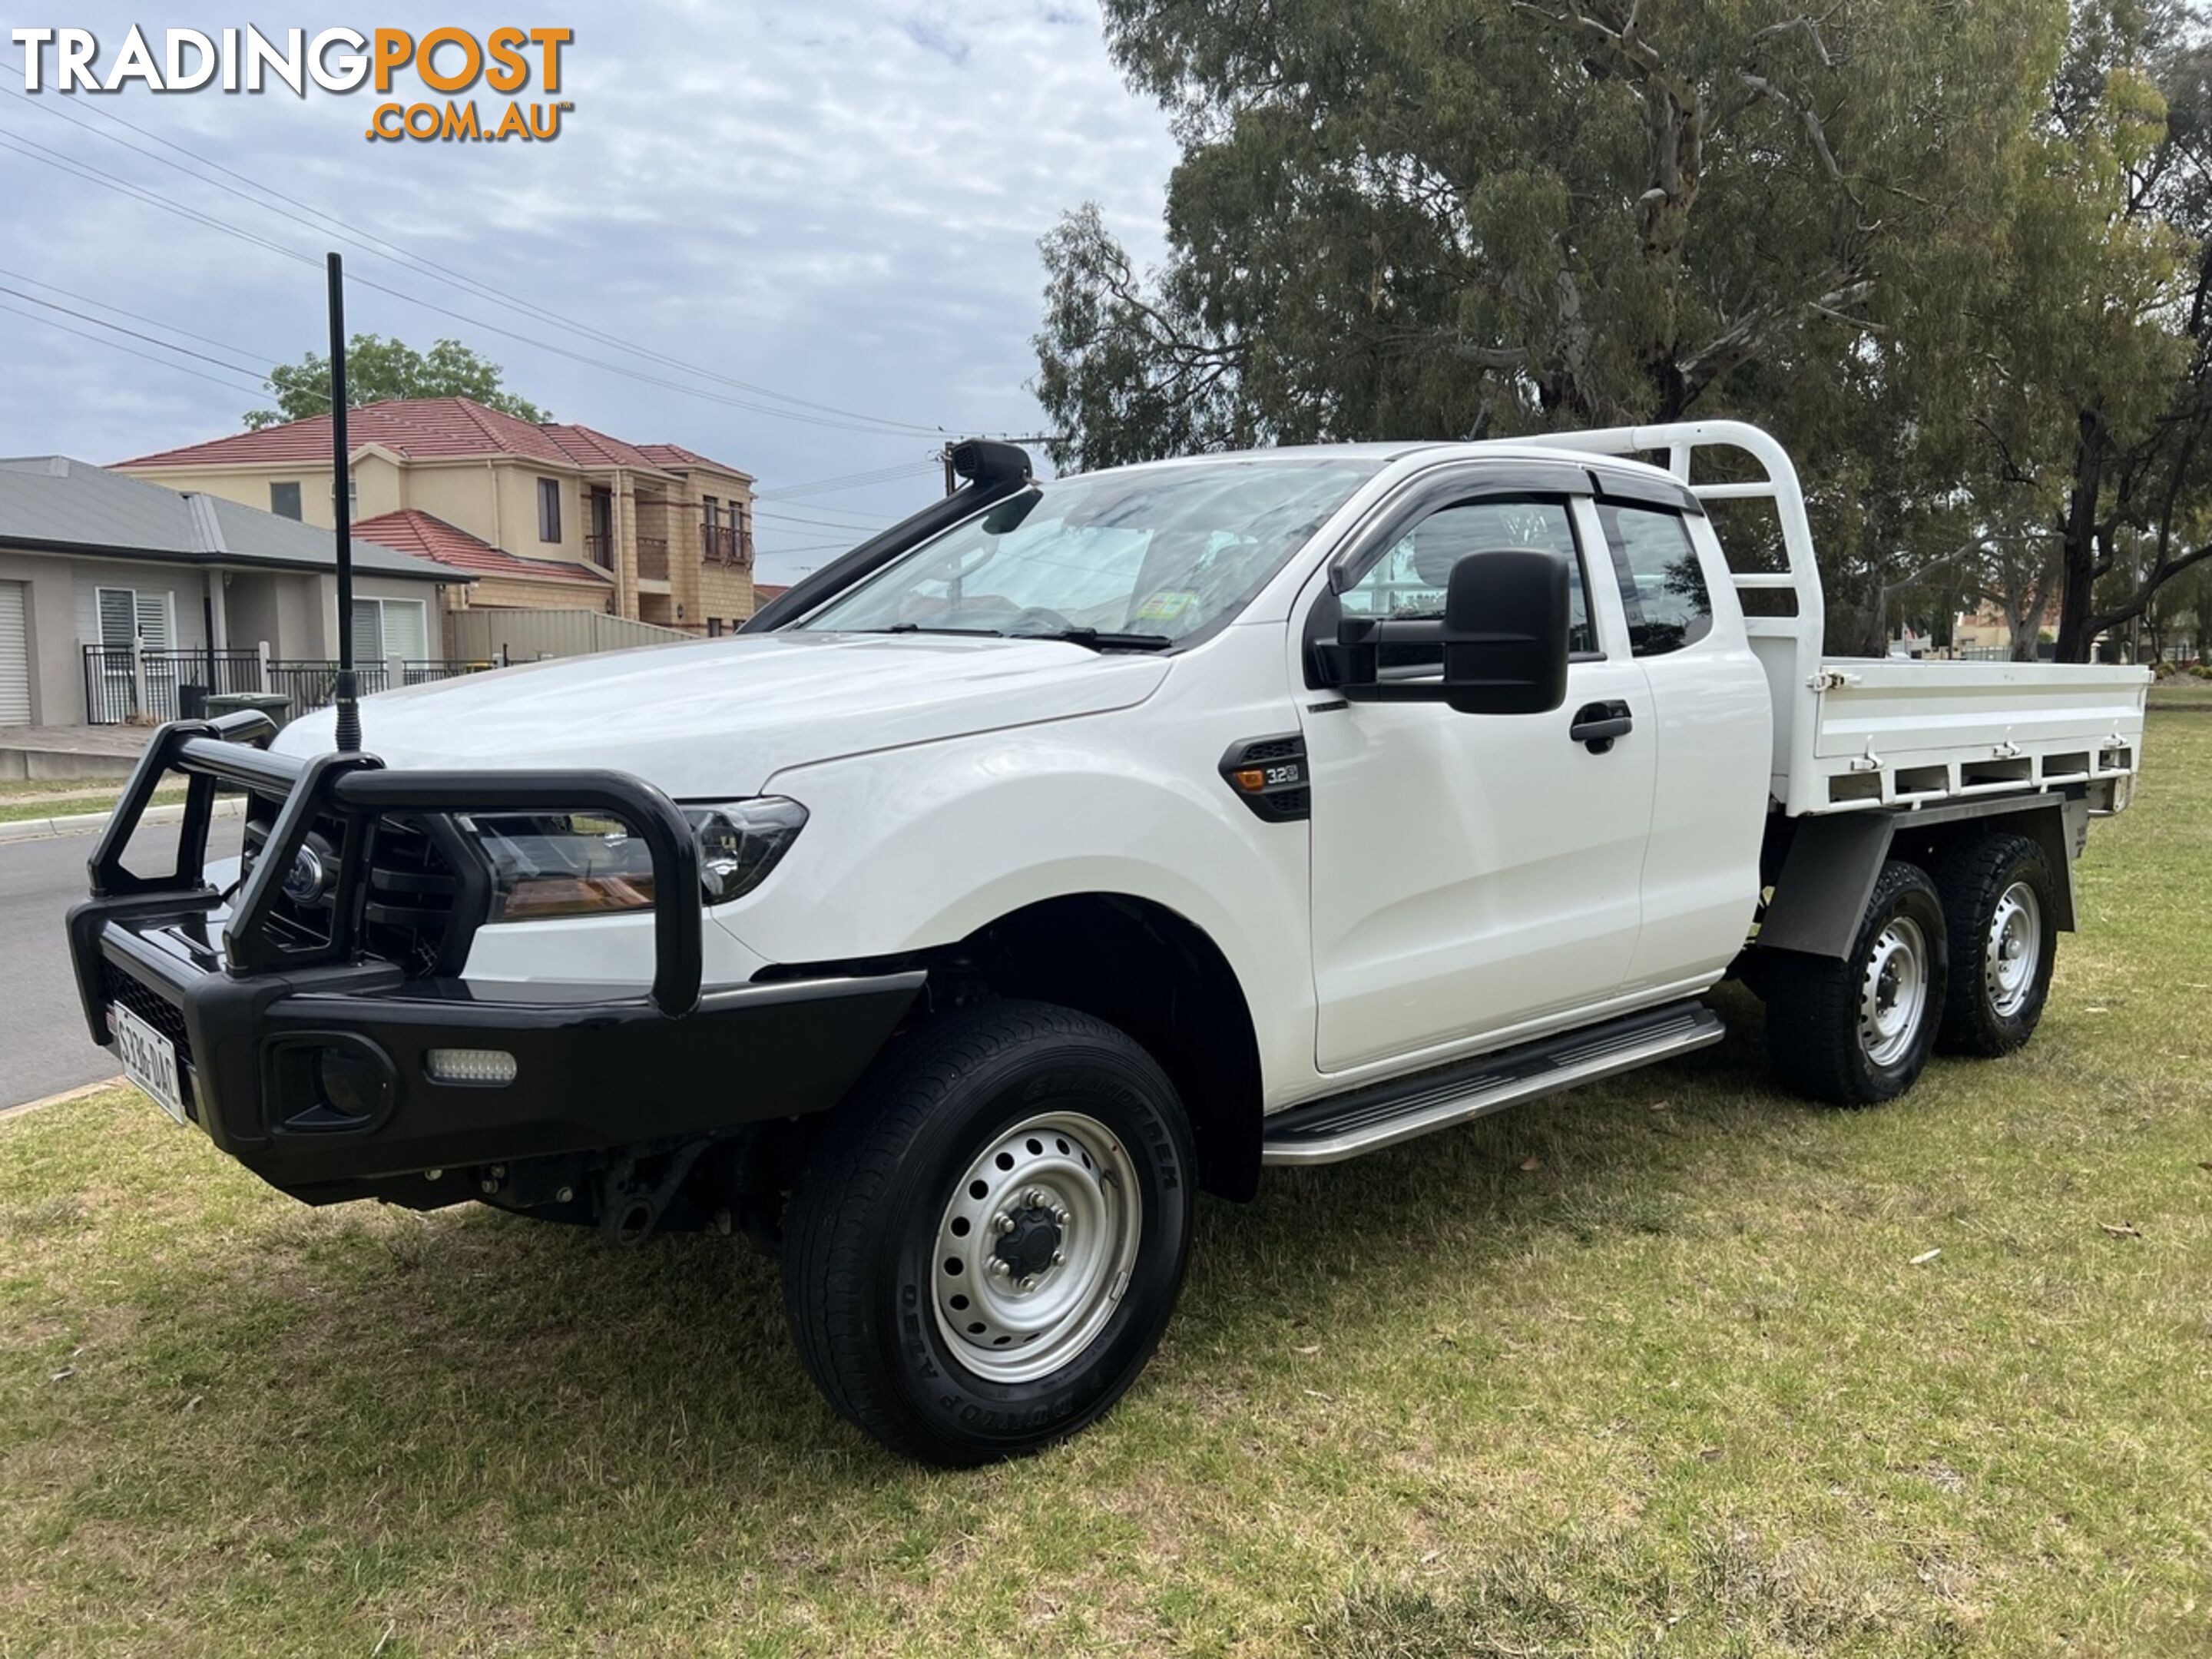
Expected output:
(595, 1068)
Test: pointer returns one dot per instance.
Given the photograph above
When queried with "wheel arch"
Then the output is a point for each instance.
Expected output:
(1823, 869)
(1153, 973)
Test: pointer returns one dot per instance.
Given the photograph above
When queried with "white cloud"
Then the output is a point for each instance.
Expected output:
(841, 203)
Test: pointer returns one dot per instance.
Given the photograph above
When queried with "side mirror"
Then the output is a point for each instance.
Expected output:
(1503, 639)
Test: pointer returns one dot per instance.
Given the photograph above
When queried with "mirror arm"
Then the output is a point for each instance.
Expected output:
(1351, 664)
(1397, 691)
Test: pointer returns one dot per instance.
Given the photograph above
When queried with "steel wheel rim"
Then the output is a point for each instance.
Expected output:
(1060, 1182)
(2012, 950)
(1894, 992)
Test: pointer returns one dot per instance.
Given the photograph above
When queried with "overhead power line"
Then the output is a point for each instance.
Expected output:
(825, 509)
(135, 316)
(394, 252)
(246, 370)
(844, 481)
(93, 175)
(116, 345)
(821, 523)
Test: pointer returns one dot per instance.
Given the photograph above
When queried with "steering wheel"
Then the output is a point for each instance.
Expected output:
(1039, 619)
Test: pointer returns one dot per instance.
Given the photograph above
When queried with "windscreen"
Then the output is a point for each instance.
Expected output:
(1145, 557)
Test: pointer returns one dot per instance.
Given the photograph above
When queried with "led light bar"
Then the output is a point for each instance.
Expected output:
(488, 1067)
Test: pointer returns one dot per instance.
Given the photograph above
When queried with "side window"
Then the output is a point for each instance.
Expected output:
(1409, 580)
(1663, 587)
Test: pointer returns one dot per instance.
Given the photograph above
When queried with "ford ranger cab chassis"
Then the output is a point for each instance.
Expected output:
(1074, 846)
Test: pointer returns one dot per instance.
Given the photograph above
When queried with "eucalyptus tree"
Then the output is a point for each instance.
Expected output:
(1437, 215)
(1931, 246)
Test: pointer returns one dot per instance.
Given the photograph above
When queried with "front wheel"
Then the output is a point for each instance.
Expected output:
(989, 1236)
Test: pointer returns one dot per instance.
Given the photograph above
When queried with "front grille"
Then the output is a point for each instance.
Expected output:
(407, 913)
(412, 891)
(163, 1015)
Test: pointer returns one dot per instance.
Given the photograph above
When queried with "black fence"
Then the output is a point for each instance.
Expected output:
(315, 685)
(117, 692)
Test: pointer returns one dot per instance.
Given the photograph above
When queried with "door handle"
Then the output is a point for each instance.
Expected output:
(1597, 723)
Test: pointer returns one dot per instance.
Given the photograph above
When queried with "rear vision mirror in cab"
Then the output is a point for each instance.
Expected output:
(1503, 638)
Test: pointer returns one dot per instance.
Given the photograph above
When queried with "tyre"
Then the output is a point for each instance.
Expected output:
(988, 1238)
(1999, 900)
(1858, 1031)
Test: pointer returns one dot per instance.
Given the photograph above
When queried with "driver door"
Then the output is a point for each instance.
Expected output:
(1473, 874)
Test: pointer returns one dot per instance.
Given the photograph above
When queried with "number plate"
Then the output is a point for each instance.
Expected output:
(149, 1059)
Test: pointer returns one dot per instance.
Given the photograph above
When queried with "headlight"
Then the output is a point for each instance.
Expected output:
(740, 841)
(576, 864)
(567, 863)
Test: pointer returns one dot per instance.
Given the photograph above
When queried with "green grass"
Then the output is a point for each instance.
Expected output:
(11, 787)
(54, 800)
(1660, 1368)
(15, 788)
(2181, 692)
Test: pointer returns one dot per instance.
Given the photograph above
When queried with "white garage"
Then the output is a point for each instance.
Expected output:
(15, 657)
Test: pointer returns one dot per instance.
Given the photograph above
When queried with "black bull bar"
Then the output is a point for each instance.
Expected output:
(594, 1067)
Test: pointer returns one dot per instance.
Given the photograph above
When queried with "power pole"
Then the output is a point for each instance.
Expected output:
(952, 479)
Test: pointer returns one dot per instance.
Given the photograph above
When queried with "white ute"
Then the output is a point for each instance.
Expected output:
(1074, 846)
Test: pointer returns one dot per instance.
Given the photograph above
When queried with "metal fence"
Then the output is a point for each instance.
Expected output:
(118, 690)
(123, 684)
(313, 685)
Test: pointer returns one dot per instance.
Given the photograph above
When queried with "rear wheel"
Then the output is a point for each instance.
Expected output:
(1998, 899)
(989, 1239)
(1858, 1031)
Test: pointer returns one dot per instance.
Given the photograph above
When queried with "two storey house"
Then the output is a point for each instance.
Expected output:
(553, 517)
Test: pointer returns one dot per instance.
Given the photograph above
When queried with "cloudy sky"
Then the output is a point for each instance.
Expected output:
(836, 201)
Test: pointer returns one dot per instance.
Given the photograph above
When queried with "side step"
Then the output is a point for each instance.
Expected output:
(1384, 1114)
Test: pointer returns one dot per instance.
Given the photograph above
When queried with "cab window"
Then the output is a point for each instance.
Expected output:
(1662, 586)
(1408, 582)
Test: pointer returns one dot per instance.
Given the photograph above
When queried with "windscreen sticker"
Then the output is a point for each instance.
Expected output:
(1166, 605)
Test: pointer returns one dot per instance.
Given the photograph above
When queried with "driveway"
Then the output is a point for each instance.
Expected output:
(44, 1048)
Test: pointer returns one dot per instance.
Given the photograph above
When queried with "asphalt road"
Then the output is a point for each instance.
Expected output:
(44, 1048)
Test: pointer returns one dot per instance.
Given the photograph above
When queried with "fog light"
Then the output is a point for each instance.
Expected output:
(486, 1066)
(352, 1082)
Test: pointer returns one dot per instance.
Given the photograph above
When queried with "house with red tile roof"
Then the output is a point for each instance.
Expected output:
(551, 517)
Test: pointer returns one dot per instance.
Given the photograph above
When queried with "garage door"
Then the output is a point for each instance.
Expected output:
(14, 658)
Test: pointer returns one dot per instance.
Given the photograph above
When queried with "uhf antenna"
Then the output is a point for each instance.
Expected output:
(348, 696)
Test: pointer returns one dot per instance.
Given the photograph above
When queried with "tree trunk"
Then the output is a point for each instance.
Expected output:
(2077, 580)
(1670, 389)
(2023, 611)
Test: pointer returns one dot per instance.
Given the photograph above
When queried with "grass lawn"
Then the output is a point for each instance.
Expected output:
(54, 800)
(2181, 693)
(12, 788)
(1669, 1366)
